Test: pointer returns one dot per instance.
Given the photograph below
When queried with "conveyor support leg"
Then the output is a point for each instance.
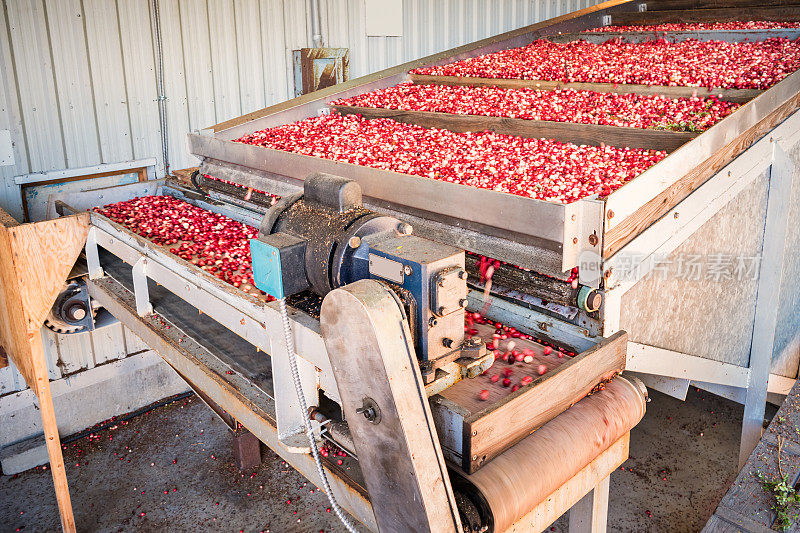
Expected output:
(590, 514)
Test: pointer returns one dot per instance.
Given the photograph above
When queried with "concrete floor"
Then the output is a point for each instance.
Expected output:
(172, 470)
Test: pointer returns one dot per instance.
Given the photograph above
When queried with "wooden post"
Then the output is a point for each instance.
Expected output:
(767, 299)
(590, 514)
(35, 260)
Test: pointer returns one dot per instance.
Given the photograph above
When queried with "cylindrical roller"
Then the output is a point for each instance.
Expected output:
(513, 483)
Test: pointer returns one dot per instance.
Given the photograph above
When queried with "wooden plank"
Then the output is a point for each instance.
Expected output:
(663, 5)
(767, 299)
(490, 431)
(41, 386)
(717, 14)
(633, 36)
(592, 134)
(39, 282)
(184, 174)
(590, 514)
(7, 220)
(615, 238)
(747, 505)
(732, 95)
(573, 490)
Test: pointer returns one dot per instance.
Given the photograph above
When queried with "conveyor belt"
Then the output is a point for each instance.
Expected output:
(230, 348)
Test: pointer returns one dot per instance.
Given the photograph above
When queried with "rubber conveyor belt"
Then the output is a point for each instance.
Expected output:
(230, 348)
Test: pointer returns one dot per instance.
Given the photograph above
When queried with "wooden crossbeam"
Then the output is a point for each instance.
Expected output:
(593, 134)
(715, 14)
(739, 96)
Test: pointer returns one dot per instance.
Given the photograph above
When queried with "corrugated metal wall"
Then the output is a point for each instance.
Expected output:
(68, 354)
(78, 77)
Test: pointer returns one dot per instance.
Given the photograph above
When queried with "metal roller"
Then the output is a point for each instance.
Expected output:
(512, 484)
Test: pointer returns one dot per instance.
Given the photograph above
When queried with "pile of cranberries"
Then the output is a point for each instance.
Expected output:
(700, 26)
(535, 168)
(692, 63)
(507, 355)
(585, 107)
(211, 241)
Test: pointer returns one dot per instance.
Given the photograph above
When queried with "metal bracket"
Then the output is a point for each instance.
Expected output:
(140, 289)
(93, 255)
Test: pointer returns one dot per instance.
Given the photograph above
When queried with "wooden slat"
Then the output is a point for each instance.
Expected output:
(593, 134)
(747, 506)
(615, 238)
(721, 14)
(732, 95)
(664, 5)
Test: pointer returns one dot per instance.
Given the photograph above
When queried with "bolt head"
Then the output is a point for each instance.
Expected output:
(407, 270)
(404, 228)
(354, 242)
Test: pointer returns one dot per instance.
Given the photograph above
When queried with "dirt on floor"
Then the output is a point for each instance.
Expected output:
(172, 469)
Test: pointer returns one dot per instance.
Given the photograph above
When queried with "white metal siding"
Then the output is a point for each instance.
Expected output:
(78, 77)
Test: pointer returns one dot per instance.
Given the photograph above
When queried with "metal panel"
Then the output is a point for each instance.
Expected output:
(140, 79)
(76, 352)
(108, 344)
(10, 119)
(175, 84)
(224, 65)
(108, 80)
(275, 57)
(73, 81)
(30, 48)
(194, 24)
(786, 357)
(251, 65)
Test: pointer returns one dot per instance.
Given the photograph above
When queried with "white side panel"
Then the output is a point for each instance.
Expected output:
(276, 65)
(197, 61)
(175, 85)
(108, 343)
(249, 53)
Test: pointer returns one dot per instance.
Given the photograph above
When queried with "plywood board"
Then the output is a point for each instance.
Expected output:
(35, 259)
(700, 299)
